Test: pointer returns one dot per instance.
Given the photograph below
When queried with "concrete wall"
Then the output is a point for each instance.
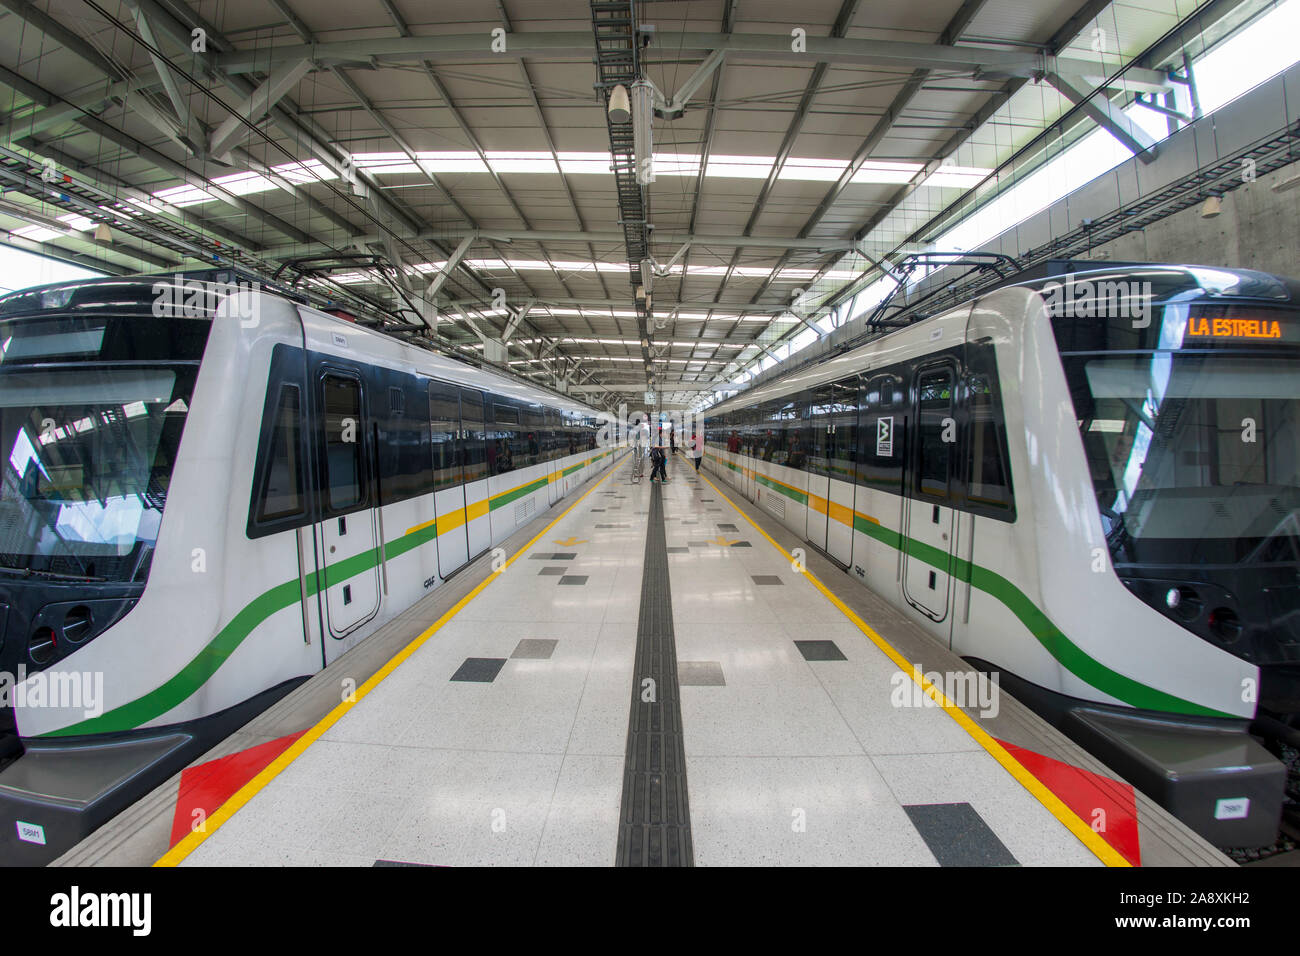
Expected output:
(1258, 229)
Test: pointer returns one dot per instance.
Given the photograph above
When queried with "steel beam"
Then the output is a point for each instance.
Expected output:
(256, 106)
(783, 243)
(767, 48)
(1105, 114)
(164, 68)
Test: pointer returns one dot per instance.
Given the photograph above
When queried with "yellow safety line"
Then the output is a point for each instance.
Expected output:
(195, 838)
(1099, 847)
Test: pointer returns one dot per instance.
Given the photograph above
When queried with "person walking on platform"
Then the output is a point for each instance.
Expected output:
(658, 457)
(672, 441)
(697, 450)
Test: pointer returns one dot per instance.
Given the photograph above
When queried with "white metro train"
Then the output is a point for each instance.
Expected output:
(207, 498)
(1089, 484)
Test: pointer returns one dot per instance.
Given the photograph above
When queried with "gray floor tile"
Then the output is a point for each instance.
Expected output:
(535, 649)
(481, 670)
(700, 674)
(820, 651)
(958, 836)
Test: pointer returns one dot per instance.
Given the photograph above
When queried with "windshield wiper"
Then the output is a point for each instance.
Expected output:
(55, 575)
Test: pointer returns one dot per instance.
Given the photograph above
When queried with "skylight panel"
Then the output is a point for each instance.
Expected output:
(185, 195)
(740, 167)
(881, 172)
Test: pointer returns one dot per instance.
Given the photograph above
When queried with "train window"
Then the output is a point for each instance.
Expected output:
(344, 441)
(820, 421)
(988, 482)
(444, 428)
(935, 432)
(503, 439)
(282, 488)
(473, 442)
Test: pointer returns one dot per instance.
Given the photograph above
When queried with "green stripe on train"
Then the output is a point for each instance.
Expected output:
(1068, 654)
(196, 673)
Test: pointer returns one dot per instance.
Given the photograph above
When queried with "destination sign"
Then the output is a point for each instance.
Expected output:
(1255, 326)
(1225, 328)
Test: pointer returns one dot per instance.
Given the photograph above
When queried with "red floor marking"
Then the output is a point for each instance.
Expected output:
(208, 785)
(1085, 793)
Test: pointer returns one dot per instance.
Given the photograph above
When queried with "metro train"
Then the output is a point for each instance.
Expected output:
(1088, 484)
(212, 492)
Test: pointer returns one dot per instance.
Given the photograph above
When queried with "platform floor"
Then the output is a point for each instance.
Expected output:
(503, 738)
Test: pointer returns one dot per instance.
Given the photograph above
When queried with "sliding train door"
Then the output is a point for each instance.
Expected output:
(448, 477)
(841, 449)
(549, 444)
(347, 534)
(928, 523)
(819, 466)
(831, 479)
(460, 474)
(474, 470)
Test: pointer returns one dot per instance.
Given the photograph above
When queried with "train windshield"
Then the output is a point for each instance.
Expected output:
(1190, 416)
(1195, 456)
(91, 415)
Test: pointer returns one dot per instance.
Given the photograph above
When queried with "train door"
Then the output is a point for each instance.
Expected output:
(448, 477)
(550, 429)
(749, 476)
(841, 453)
(474, 465)
(460, 474)
(831, 471)
(927, 555)
(819, 466)
(347, 533)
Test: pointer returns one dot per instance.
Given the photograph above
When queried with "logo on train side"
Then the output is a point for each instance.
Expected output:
(182, 298)
(885, 437)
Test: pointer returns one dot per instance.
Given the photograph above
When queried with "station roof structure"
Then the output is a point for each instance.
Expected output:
(453, 162)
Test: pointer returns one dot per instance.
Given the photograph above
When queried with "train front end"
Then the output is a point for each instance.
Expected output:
(96, 383)
(1185, 384)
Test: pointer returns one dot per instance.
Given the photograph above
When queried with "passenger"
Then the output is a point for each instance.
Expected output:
(697, 449)
(672, 440)
(658, 457)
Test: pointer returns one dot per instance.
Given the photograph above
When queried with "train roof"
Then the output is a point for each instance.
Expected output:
(1167, 282)
(134, 295)
(129, 294)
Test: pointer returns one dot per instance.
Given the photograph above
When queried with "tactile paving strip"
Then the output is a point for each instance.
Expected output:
(654, 822)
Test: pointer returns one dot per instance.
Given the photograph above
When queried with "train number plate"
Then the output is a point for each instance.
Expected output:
(1236, 808)
(31, 832)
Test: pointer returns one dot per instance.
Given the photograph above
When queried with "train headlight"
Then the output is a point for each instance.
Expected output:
(1184, 602)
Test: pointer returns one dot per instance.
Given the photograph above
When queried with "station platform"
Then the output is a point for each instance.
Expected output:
(653, 677)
